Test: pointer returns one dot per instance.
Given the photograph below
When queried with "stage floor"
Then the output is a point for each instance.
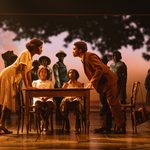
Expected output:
(127, 141)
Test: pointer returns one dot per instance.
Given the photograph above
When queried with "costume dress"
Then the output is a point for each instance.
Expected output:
(10, 78)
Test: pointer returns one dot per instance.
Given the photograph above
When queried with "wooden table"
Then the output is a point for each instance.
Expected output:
(58, 92)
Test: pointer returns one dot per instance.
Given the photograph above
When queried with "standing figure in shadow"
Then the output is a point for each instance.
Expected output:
(45, 61)
(9, 58)
(60, 74)
(35, 68)
(147, 87)
(120, 69)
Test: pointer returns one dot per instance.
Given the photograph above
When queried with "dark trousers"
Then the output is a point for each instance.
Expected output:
(58, 116)
(4, 115)
(107, 115)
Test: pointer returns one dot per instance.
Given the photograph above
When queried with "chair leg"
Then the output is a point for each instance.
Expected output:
(19, 122)
(125, 117)
(132, 119)
(134, 123)
(63, 121)
(81, 123)
(37, 121)
(51, 120)
(30, 121)
(84, 121)
(22, 116)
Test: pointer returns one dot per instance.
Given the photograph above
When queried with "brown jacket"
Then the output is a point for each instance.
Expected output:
(98, 73)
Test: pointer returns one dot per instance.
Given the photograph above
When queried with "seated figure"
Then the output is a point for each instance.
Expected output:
(44, 105)
(72, 103)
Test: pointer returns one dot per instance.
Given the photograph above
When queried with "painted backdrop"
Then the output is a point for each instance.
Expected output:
(137, 66)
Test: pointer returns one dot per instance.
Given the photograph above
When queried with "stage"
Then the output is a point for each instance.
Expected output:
(57, 140)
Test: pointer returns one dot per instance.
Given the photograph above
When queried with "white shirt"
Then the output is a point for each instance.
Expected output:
(47, 84)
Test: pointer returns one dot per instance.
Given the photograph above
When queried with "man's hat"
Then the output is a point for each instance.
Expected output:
(61, 53)
(45, 58)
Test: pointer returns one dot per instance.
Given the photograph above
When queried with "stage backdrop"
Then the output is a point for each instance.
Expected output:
(137, 66)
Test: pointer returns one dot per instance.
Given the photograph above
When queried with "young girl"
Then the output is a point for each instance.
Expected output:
(45, 105)
(46, 61)
(72, 103)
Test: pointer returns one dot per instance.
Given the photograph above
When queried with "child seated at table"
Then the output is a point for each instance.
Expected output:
(44, 105)
(72, 103)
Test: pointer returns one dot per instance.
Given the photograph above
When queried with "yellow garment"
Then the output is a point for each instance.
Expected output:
(10, 78)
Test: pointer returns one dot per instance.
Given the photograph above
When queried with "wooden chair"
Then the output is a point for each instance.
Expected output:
(34, 117)
(21, 114)
(82, 117)
(130, 107)
(40, 124)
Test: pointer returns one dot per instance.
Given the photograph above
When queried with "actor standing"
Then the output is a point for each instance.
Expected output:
(103, 80)
(60, 75)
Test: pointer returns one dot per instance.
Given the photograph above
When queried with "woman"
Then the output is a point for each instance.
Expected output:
(11, 76)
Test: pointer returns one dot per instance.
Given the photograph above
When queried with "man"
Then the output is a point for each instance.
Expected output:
(104, 82)
(60, 75)
(105, 111)
(60, 70)
(120, 69)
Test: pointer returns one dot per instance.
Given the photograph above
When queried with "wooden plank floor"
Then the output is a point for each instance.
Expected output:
(72, 141)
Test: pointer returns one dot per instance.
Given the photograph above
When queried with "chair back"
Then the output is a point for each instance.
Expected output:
(135, 89)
